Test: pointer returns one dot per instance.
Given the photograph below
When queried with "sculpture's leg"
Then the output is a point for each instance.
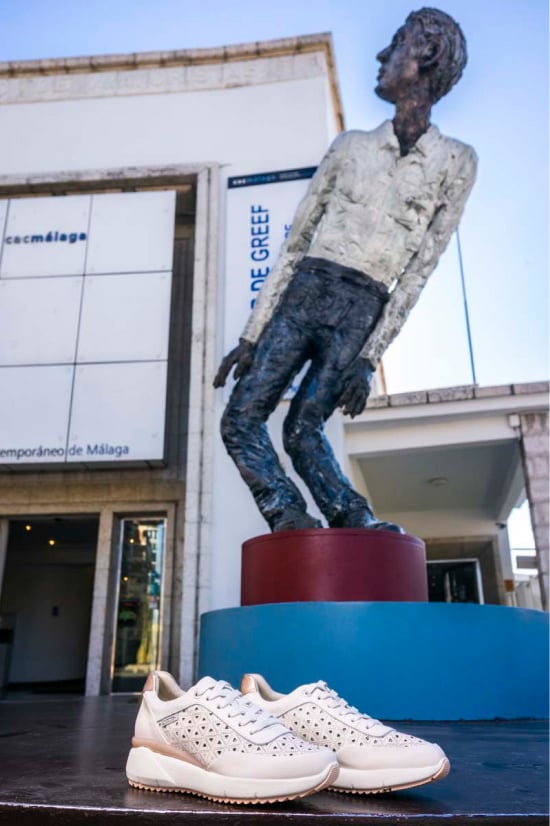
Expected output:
(310, 451)
(315, 401)
(279, 355)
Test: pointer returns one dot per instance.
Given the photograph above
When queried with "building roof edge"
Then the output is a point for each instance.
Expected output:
(459, 393)
(287, 46)
(162, 59)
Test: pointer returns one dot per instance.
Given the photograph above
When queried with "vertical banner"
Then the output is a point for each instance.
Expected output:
(260, 209)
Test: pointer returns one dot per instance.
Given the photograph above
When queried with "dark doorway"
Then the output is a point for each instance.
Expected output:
(46, 602)
(454, 580)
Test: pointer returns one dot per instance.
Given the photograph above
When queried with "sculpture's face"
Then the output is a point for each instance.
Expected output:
(400, 61)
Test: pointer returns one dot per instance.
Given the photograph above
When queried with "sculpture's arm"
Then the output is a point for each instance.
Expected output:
(459, 182)
(304, 224)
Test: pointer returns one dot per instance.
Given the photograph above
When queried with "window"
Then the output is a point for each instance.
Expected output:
(137, 640)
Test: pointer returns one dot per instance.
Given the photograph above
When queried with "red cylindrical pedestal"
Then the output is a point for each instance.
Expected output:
(333, 565)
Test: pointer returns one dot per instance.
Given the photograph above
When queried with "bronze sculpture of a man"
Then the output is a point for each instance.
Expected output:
(379, 212)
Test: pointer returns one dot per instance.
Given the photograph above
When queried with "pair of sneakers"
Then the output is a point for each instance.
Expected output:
(259, 746)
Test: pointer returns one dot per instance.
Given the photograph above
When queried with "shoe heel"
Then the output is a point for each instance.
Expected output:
(146, 769)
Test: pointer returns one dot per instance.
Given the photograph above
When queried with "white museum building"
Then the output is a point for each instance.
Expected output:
(130, 193)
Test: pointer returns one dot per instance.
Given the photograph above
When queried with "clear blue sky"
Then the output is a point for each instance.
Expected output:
(500, 107)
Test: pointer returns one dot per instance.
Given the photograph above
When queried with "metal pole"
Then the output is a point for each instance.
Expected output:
(466, 312)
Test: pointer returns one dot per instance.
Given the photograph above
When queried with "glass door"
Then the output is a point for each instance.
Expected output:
(137, 638)
(455, 580)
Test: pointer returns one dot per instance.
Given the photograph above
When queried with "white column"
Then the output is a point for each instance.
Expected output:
(4, 530)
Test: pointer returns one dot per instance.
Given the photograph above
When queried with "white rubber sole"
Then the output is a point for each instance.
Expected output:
(146, 769)
(375, 781)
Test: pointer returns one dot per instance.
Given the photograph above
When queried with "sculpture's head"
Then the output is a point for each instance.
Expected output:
(428, 53)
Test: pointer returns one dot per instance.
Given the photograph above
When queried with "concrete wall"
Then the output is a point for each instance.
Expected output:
(252, 125)
(444, 523)
(534, 447)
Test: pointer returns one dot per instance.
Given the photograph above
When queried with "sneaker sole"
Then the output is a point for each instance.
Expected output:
(355, 779)
(154, 772)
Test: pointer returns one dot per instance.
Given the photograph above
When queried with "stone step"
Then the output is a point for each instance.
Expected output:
(62, 762)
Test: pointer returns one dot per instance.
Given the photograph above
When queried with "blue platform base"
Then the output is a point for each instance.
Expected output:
(395, 660)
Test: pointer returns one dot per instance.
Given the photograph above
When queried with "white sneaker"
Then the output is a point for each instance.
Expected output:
(372, 757)
(212, 741)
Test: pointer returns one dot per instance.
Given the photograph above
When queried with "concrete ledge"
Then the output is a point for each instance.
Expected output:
(438, 395)
(420, 661)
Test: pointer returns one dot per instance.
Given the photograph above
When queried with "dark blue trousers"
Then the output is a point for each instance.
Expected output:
(325, 317)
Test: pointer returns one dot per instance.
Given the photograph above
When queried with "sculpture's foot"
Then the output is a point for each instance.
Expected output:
(380, 525)
(364, 518)
(293, 520)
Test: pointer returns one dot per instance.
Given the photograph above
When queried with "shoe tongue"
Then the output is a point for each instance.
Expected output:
(204, 684)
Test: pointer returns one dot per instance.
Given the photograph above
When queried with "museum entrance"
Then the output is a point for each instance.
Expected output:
(46, 602)
(141, 553)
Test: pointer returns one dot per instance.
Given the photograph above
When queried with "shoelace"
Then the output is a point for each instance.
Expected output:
(240, 706)
(323, 692)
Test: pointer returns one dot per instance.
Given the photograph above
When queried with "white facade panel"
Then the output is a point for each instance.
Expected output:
(131, 232)
(45, 236)
(125, 318)
(39, 320)
(34, 413)
(118, 412)
(48, 318)
(280, 125)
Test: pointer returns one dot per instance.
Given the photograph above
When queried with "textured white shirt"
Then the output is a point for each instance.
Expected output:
(387, 216)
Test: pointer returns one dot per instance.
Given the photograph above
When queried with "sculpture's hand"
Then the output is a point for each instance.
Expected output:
(358, 384)
(241, 356)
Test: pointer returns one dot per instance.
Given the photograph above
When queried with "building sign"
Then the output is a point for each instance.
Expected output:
(85, 284)
(260, 209)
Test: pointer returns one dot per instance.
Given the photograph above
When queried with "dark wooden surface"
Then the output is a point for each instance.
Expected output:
(62, 762)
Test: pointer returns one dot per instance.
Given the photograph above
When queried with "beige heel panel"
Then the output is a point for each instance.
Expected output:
(166, 749)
